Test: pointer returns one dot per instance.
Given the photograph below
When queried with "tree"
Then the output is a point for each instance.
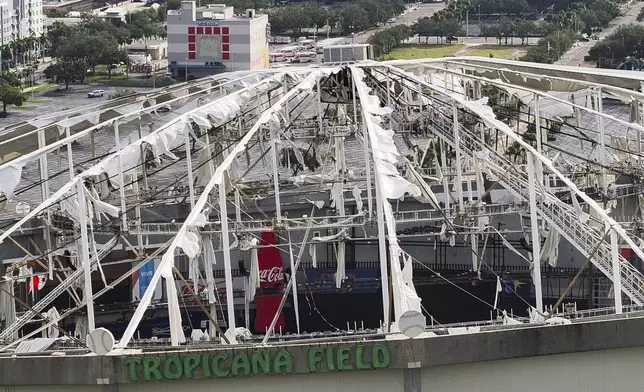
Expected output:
(613, 50)
(11, 95)
(354, 18)
(113, 57)
(67, 70)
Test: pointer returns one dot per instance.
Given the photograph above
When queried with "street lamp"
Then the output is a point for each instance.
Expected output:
(186, 70)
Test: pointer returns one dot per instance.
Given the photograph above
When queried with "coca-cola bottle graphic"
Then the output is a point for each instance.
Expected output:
(271, 269)
(271, 279)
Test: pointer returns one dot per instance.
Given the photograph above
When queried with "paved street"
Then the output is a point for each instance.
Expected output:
(575, 56)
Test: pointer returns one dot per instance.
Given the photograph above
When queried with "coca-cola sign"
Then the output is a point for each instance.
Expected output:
(272, 276)
(271, 270)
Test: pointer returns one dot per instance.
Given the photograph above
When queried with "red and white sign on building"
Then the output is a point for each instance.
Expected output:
(208, 42)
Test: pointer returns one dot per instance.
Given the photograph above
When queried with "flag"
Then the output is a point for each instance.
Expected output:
(37, 282)
(499, 289)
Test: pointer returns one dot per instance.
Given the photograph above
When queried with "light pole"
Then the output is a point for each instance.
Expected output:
(186, 70)
(467, 24)
(479, 16)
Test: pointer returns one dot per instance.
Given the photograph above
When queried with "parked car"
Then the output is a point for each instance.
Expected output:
(96, 94)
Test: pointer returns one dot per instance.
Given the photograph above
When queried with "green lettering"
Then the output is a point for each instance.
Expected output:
(131, 363)
(240, 361)
(261, 359)
(315, 357)
(219, 371)
(151, 367)
(282, 363)
(343, 355)
(190, 363)
(205, 365)
(329, 359)
(359, 364)
(380, 356)
(172, 368)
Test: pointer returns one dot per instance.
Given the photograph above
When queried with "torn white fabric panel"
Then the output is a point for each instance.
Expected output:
(92, 118)
(342, 234)
(52, 315)
(341, 270)
(357, 195)
(509, 246)
(313, 254)
(550, 248)
(9, 179)
(583, 217)
(209, 260)
(336, 194)
(193, 273)
(253, 279)
(189, 243)
(303, 179)
(101, 206)
(499, 289)
(177, 335)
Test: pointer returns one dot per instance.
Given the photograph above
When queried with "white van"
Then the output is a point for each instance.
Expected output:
(289, 51)
(276, 57)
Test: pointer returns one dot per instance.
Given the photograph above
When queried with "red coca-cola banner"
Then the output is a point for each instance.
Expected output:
(271, 270)
(271, 275)
(267, 305)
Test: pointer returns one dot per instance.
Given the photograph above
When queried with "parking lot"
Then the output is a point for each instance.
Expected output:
(55, 100)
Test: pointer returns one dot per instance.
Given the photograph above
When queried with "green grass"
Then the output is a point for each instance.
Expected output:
(415, 51)
(41, 87)
(495, 51)
(37, 100)
(24, 107)
(105, 78)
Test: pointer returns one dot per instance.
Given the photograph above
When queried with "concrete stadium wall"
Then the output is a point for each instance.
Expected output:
(589, 356)
(595, 371)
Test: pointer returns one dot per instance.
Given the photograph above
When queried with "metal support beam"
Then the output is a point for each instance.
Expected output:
(459, 170)
(382, 255)
(117, 142)
(536, 237)
(276, 177)
(225, 243)
(84, 253)
(602, 140)
(617, 271)
(191, 181)
(44, 191)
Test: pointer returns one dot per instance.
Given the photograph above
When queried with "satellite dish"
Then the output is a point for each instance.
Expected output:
(100, 341)
(411, 323)
(22, 209)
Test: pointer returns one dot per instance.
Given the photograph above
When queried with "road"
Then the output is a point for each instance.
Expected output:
(575, 56)
(408, 18)
(50, 102)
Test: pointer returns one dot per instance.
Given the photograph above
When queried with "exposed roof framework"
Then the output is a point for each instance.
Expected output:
(247, 150)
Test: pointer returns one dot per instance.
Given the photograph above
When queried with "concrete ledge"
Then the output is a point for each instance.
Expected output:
(404, 354)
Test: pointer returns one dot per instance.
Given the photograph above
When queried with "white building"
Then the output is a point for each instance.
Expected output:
(20, 19)
(208, 40)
